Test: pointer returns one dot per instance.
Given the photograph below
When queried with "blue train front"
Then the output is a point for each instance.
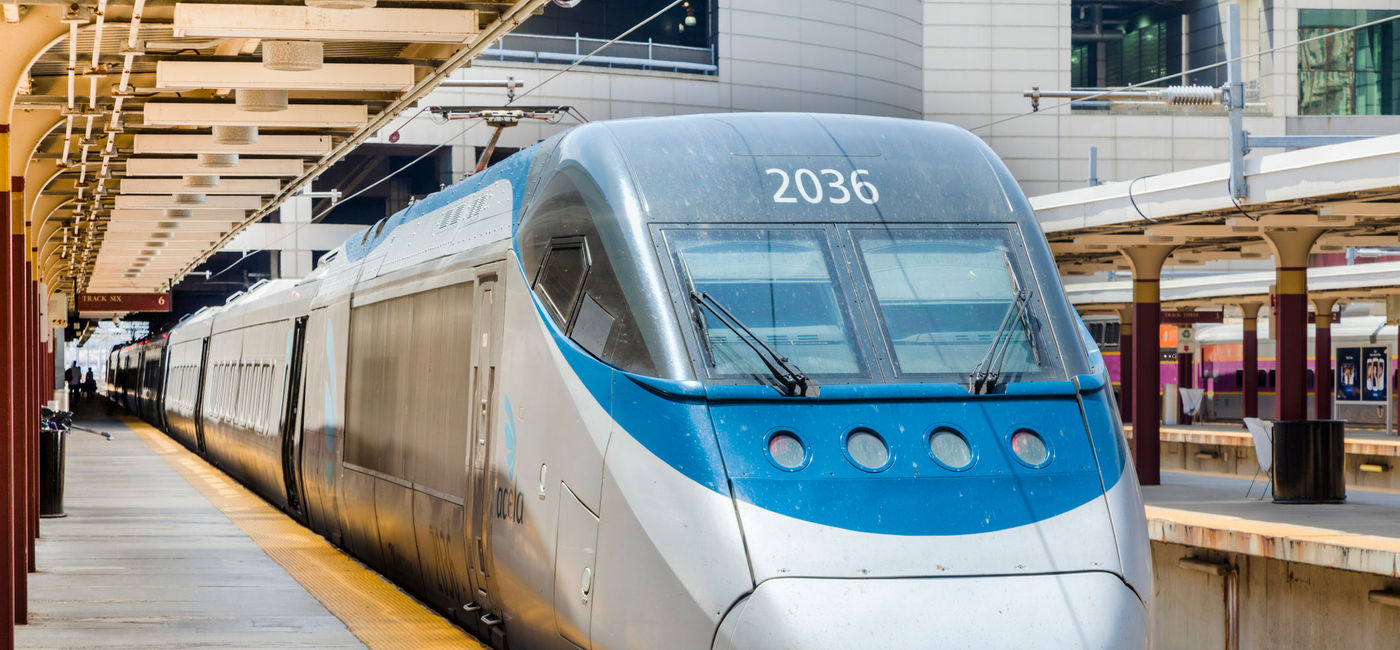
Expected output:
(780, 380)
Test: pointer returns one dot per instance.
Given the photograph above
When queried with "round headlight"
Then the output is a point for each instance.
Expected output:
(786, 450)
(1030, 448)
(867, 450)
(950, 449)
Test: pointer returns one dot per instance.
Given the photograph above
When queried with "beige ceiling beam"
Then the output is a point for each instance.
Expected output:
(377, 24)
(1202, 231)
(157, 214)
(1344, 239)
(263, 167)
(258, 186)
(1295, 220)
(1112, 242)
(311, 116)
(282, 145)
(25, 40)
(211, 202)
(1362, 209)
(188, 75)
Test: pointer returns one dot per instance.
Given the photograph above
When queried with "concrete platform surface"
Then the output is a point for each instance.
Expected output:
(159, 550)
(1211, 511)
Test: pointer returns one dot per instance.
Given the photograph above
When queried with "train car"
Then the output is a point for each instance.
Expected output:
(1219, 367)
(724, 381)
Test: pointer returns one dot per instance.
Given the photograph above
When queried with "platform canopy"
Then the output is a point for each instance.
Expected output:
(1350, 189)
(1360, 282)
(149, 134)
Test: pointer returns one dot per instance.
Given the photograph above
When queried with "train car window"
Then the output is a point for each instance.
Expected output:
(1271, 379)
(1311, 378)
(605, 323)
(1239, 377)
(1261, 378)
(1110, 333)
(561, 276)
(781, 285)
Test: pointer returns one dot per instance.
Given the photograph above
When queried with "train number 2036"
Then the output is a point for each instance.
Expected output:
(812, 186)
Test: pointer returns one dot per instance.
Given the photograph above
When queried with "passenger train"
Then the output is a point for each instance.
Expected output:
(719, 381)
(1219, 366)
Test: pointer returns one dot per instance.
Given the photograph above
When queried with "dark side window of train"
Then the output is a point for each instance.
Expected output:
(564, 242)
(561, 276)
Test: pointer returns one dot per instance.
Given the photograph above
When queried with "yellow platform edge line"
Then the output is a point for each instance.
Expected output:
(372, 608)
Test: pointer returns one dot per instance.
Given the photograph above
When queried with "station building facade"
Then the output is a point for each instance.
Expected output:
(966, 63)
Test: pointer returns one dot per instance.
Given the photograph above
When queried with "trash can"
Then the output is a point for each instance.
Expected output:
(52, 445)
(1309, 461)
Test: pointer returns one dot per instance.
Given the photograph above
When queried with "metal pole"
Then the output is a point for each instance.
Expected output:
(1235, 86)
(1093, 180)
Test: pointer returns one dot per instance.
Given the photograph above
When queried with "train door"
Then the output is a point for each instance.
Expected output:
(291, 415)
(199, 395)
(488, 317)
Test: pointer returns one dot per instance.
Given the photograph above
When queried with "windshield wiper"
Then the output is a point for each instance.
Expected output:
(984, 378)
(794, 381)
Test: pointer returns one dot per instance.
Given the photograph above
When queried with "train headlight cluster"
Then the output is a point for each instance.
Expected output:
(950, 449)
(1030, 448)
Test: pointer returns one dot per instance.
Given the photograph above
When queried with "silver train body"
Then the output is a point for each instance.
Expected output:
(510, 400)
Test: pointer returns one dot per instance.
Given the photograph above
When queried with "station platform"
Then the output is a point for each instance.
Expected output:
(1372, 457)
(160, 550)
(1211, 511)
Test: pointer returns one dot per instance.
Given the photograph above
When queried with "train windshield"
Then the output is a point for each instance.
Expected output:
(863, 302)
(940, 295)
(781, 285)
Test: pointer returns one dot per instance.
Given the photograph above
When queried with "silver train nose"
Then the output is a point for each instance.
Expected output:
(1073, 610)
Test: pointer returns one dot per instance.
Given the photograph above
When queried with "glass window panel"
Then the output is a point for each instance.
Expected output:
(779, 284)
(941, 296)
(561, 279)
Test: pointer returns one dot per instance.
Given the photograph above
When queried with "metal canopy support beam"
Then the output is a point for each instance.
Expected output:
(1146, 262)
(313, 116)
(1291, 249)
(377, 24)
(384, 77)
(1235, 86)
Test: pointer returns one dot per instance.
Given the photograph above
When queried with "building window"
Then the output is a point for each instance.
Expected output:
(1351, 73)
(680, 40)
(1119, 45)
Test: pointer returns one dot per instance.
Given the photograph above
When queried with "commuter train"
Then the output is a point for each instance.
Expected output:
(1219, 366)
(723, 381)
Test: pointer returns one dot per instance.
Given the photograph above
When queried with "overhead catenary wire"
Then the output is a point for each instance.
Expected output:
(461, 132)
(1183, 73)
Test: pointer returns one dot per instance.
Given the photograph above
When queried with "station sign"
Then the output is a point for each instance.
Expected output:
(104, 302)
(1187, 317)
(1336, 318)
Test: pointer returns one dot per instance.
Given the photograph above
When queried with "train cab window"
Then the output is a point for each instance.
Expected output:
(943, 294)
(561, 276)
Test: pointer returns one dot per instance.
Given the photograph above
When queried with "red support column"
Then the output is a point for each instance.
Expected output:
(1125, 362)
(19, 354)
(1322, 357)
(34, 401)
(1250, 389)
(1146, 262)
(1291, 248)
(9, 522)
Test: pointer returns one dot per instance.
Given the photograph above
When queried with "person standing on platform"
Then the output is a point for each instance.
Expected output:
(75, 380)
(89, 385)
